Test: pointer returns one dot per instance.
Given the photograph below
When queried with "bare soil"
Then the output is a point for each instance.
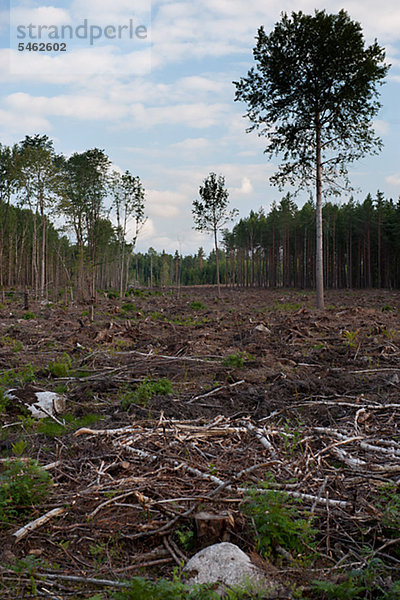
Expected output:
(264, 387)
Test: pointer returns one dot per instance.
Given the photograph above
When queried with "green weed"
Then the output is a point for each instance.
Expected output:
(346, 590)
(22, 486)
(388, 502)
(278, 522)
(145, 392)
(128, 307)
(197, 305)
(50, 428)
(26, 374)
(361, 584)
(113, 294)
(387, 308)
(14, 345)
(351, 337)
(291, 437)
(185, 537)
(19, 447)
(144, 589)
(287, 306)
(28, 315)
(237, 360)
(60, 367)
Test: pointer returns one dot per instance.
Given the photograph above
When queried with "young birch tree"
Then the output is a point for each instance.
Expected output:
(211, 213)
(128, 203)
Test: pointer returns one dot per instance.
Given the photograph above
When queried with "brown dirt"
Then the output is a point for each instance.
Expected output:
(128, 513)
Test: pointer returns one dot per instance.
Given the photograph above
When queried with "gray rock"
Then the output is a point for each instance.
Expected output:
(226, 564)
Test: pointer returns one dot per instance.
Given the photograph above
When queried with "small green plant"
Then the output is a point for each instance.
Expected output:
(14, 345)
(389, 334)
(351, 337)
(388, 502)
(26, 374)
(287, 306)
(27, 569)
(292, 435)
(197, 305)
(349, 589)
(122, 344)
(98, 552)
(141, 588)
(185, 537)
(236, 360)
(28, 315)
(50, 428)
(278, 522)
(113, 294)
(387, 308)
(19, 447)
(372, 581)
(4, 402)
(60, 367)
(128, 307)
(61, 388)
(22, 486)
(212, 469)
(145, 392)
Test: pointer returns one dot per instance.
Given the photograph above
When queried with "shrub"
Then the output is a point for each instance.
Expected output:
(22, 485)
(144, 589)
(112, 295)
(236, 360)
(60, 367)
(388, 502)
(28, 315)
(278, 522)
(128, 307)
(50, 428)
(145, 392)
(197, 305)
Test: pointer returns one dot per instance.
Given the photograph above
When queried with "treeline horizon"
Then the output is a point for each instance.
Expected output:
(277, 249)
(83, 191)
(265, 249)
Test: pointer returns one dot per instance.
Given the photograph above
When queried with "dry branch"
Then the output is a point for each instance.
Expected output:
(21, 533)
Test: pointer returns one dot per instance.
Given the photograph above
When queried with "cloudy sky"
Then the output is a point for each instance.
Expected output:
(151, 84)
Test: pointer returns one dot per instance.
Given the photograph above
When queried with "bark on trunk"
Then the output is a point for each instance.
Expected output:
(319, 273)
(217, 261)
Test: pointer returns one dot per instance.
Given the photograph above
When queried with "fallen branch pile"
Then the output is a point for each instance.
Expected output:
(147, 488)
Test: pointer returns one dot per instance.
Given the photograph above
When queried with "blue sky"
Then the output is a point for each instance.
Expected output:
(162, 105)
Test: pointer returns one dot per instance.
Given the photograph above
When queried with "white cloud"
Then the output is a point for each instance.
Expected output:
(41, 15)
(198, 115)
(393, 179)
(245, 188)
(381, 127)
(78, 107)
(75, 65)
(147, 232)
(22, 124)
(164, 204)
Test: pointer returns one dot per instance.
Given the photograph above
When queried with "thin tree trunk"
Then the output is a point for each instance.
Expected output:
(43, 253)
(217, 261)
(319, 273)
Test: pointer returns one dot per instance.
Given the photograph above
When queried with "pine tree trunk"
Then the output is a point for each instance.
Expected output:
(217, 261)
(319, 273)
